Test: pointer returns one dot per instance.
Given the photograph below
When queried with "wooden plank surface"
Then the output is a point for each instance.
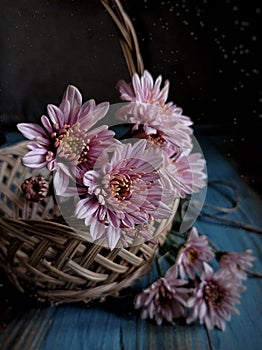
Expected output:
(114, 324)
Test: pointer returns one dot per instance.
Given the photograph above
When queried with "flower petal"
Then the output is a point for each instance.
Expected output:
(35, 159)
(113, 236)
(47, 125)
(88, 119)
(31, 131)
(61, 181)
(72, 96)
(126, 91)
(97, 230)
(56, 115)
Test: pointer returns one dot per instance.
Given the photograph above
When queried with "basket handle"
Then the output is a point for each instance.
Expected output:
(127, 36)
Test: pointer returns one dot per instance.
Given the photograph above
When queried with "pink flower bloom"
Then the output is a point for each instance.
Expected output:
(192, 254)
(163, 300)
(214, 299)
(236, 262)
(150, 123)
(64, 140)
(184, 174)
(143, 90)
(154, 119)
(126, 191)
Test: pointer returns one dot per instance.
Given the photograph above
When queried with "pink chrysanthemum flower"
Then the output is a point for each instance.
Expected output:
(154, 119)
(214, 299)
(163, 300)
(143, 90)
(125, 191)
(185, 174)
(150, 123)
(65, 139)
(236, 262)
(192, 254)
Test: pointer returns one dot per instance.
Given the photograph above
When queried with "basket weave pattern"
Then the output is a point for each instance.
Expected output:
(48, 259)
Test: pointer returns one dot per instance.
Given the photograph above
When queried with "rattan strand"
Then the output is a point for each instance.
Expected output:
(127, 36)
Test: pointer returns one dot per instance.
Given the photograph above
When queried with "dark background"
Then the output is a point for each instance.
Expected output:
(209, 50)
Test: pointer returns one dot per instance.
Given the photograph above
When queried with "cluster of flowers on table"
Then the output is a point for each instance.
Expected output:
(121, 185)
(191, 289)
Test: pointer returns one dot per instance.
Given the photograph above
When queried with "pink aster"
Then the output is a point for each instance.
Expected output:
(163, 300)
(65, 140)
(143, 90)
(192, 254)
(126, 191)
(236, 262)
(185, 174)
(213, 300)
(150, 123)
(154, 119)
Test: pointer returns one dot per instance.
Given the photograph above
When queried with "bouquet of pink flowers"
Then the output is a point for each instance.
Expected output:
(118, 185)
(121, 184)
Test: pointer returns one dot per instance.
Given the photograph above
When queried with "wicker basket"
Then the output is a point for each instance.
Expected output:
(49, 260)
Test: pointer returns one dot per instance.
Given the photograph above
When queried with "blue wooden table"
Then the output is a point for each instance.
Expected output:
(114, 324)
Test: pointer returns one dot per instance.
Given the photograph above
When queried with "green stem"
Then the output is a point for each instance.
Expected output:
(178, 234)
(172, 241)
(254, 273)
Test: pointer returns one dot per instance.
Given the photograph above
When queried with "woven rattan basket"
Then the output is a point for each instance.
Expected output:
(47, 259)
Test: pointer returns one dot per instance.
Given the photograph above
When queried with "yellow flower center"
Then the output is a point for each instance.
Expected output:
(72, 143)
(120, 186)
(156, 139)
(213, 293)
(192, 255)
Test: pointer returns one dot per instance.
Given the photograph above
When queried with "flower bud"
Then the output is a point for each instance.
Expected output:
(35, 188)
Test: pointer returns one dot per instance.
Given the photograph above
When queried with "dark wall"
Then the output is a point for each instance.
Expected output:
(209, 50)
(46, 45)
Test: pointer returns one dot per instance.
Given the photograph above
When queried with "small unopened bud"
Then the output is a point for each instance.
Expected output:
(35, 188)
